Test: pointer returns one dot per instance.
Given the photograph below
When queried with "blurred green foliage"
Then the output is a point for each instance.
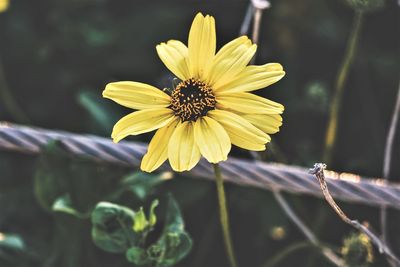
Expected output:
(57, 57)
(112, 227)
(366, 5)
(357, 250)
(118, 229)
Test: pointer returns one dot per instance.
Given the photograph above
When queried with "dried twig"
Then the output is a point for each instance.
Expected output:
(318, 171)
(388, 158)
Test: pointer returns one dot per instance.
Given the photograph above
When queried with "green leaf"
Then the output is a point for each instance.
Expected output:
(111, 227)
(171, 248)
(137, 256)
(11, 241)
(174, 220)
(174, 243)
(98, 109)
(152, 215)
(63, 204)
(118, 229)
(140, 221)
(366, 5)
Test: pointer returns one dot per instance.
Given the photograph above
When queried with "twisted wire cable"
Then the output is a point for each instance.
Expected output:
(275, 177)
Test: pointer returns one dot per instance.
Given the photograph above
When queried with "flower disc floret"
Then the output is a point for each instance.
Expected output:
(192, 99)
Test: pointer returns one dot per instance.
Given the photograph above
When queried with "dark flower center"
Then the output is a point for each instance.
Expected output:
(192, 99)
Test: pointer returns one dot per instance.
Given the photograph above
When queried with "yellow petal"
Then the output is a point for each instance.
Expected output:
(157, 151)
(231, 60)
(3, 5)
(253, 78)
(202, 44)
(174, 54)
(136, 95)
(268, 123)
(248, 103)
(183, 153)
(212, 139)
(241, 132)
(141, 122)
(228, 48)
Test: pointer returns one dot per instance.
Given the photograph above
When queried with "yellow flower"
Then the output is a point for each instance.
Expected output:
(210, 109)
(3, 5)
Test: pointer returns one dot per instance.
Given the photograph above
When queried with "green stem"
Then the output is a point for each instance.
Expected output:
(223, 215)
(330, 138)
(286, 252)
(8, 100)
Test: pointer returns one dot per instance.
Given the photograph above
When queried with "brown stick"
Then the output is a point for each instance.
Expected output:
(318, 171)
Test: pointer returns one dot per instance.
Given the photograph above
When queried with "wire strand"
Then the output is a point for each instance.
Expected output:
(269, 176)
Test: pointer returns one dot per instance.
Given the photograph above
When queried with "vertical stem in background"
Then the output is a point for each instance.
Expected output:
(8, 101)
(256, 29)
(326, 251)
(331, 133)
(258, 8)
(244, 29)
(223, 215)
(388, 158)
(256, 24)
(330, 138)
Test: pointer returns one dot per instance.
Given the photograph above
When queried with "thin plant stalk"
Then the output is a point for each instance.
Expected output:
(256, 24)
(244, 29)
(331, 134)
(328, 253)
(388, 158)
(224, 217)
(343, 72)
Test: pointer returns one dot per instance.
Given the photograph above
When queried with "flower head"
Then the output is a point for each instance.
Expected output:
(210, 109)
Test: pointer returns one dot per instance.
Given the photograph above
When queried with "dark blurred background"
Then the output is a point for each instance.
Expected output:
(58, 55)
